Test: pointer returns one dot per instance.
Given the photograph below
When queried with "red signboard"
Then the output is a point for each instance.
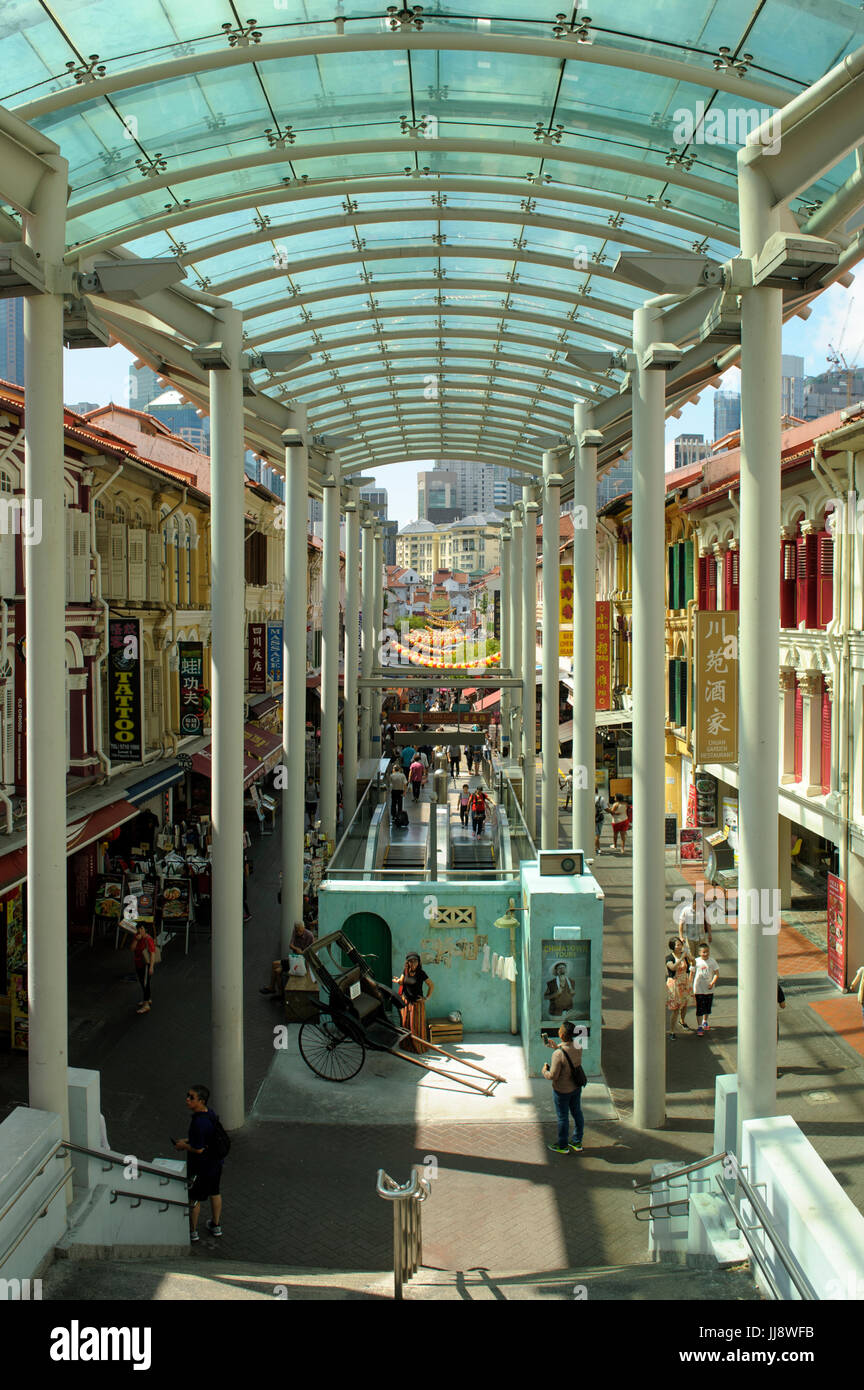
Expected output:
(603, 677)
(257, 658)
(20, 731)
(837, 931)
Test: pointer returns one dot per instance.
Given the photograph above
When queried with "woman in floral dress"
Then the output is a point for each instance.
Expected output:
(679, 996)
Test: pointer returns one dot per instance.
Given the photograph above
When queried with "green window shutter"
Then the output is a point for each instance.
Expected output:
(672, 591)
(673, 693)
(688, 573)
(682, 692)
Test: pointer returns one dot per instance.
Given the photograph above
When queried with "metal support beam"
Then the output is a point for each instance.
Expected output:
(350, 720)
(759, 629)
(294, 688)
(549, 733)
(45, 589)
(584, 629)
(506, 629)
(649, 730)
(330, 661)
(378, 604)
(529, 658)
(227, 679)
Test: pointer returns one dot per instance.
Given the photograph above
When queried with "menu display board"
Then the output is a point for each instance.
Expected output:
(837, 931)
(175, 901)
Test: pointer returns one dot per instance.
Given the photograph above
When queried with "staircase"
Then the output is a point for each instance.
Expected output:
(198, 1278)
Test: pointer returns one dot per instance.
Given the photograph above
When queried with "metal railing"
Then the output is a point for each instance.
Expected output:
(521, 844)
(407, 1224)
(44, 1203)
(764, 1220)
(111, 1160)
(348, 858)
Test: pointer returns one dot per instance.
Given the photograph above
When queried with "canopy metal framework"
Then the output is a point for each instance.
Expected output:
(386, 233)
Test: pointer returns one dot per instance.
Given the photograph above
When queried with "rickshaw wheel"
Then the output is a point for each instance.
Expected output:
(330, 1053)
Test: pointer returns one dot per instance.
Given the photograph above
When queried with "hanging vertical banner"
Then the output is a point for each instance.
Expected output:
(20, 687)
(716, 721)
(565, 594)
(124, 690)
(496, 615)
(603, 655)
(274, 651)
(191, 686)
(565, 641)
(837, 931)
(257, 661)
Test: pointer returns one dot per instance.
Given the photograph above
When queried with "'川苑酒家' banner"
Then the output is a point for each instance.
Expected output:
(603, 655)
(257, 658)
(191, 656)
(716, 715)
(124, 690)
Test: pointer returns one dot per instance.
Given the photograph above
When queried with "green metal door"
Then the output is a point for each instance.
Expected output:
(371, 935)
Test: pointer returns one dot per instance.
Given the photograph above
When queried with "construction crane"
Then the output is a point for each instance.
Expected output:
(838, 360)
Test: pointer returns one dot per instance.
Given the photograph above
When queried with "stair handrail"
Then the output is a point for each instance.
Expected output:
(645, 1184)
(407, 1226)
(111, 1159)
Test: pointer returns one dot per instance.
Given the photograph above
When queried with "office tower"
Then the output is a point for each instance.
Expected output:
(144, 387)
(792, 386)
(686, 449)
(616, 480)
(727, 413)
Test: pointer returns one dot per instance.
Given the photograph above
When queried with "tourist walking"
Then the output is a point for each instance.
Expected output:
(416, 776)
(206, 1150)
(599, 818)
(464, 804)
(618, 814)
(703, 977)
(568, 1078)
(478, 811)
(144, 956)
(455, 760)
(398, 788)
(678, 965)
(567, 788)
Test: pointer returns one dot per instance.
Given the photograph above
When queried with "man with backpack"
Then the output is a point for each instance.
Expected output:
(206, 1150)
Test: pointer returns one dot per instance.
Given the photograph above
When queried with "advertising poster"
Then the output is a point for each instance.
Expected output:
(175, 901)
(191, 656)
(716, 725)
(729, 821)
(108, 902)
(603, 679)
(566, 981)
(837, 931)
(124, 690)
(19, 1012)
(274, 651)
(691, 843)
(496, 615)
(257, 682)
(565, 641)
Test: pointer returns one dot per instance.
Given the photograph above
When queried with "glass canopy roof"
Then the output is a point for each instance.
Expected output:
(429, 203)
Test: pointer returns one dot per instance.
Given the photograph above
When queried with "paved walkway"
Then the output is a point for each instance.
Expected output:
(300, 1189)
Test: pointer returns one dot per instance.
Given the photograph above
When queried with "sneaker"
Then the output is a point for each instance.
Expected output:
(557, 1149)
(265, 990)
(193, 1236)
(576, 1146)
(214, 1230)
(707, 1027)
(699, 1032)
(671, 1037)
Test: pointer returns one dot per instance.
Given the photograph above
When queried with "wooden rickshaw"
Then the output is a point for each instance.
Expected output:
(357, 1014)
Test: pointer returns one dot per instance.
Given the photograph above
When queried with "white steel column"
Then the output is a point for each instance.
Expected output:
(350, 720)
(294, 689)
(227, 680)
(516, 630)
(506, 643)
(330, 660)
(529, 658)
(649, 732)
(378, 591)
(367, 590)
(45, 590)
(549, 731)
(759, 654)
(584, 633)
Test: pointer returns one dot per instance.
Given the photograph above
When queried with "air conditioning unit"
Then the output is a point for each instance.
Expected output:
(566, 862)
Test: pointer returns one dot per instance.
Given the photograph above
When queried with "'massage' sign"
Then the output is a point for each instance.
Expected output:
(124, 690)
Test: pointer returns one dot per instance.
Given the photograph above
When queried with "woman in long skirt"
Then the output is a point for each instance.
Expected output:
(411, 987)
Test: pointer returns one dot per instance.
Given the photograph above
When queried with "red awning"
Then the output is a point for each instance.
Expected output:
(489, 700)
(261, 751)
(79, 834)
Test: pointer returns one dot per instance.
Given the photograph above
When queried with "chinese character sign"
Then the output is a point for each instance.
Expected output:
(837, 931)
(274, 651)
(565, 594)
(565, 641)
(257, 659)
(716, 695)
(124, 690)
(603, 649)
(191, 655)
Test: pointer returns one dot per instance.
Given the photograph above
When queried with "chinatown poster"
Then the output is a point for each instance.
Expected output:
(565, 610)
(191, 687)
(603, 649)
(716, 722)
(124, 691)
(257, 660)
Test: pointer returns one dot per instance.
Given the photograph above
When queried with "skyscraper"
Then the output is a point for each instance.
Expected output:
(792, 386)
(686, 449)
(144, 387)
(12, 340)
(616, 480)
(727, 413)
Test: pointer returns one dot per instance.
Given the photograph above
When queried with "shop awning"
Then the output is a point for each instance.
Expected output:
(142, 791)
(261, 752)
(489, 700)
(79, 834)
(602, 719)
(262, 705)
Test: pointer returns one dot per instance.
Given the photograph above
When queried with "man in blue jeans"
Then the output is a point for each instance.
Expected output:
(567, 1077)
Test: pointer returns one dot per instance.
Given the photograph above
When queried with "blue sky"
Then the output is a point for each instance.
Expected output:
(101, 374)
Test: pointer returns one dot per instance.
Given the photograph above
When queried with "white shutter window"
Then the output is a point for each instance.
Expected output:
(8, 712)
(153, 702)
(119, 579)
(78, 558)
(69, 550)
(137, 564)
(7, 562)
(103, 547)
(154, 567)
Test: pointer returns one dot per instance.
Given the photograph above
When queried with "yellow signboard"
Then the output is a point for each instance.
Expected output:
(716, 696)
(565, 641)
